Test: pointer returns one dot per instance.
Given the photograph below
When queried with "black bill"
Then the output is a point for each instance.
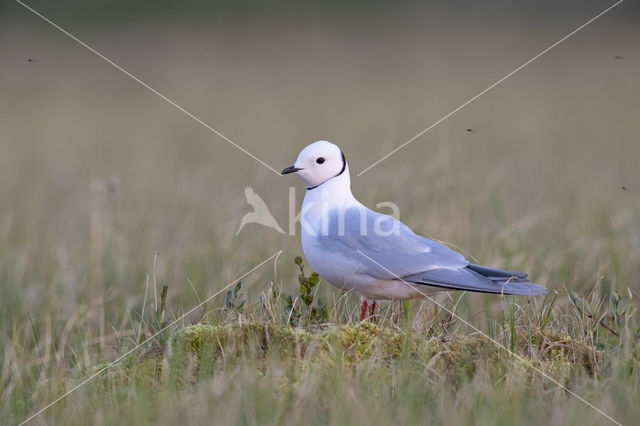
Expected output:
(290, 169)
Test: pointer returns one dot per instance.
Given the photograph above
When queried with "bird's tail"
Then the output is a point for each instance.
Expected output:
(480, 279)
(512, 282)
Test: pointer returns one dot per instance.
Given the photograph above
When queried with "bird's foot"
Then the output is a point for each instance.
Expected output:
(364, 304)
(363, 309)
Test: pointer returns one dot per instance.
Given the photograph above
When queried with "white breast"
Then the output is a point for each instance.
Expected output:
(341, 269)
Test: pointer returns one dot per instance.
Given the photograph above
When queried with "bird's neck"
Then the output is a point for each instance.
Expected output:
(334, 192)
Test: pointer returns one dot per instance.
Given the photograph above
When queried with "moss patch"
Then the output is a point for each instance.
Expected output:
(199, 351)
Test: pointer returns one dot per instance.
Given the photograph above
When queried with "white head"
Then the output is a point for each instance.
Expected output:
(319, 162)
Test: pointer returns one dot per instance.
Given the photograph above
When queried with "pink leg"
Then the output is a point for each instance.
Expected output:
(363, 308)
(372, 309)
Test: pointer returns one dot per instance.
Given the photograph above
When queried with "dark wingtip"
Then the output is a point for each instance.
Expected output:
(495, 273)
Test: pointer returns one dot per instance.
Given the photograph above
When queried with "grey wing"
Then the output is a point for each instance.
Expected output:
(479, 279)
(383, 246)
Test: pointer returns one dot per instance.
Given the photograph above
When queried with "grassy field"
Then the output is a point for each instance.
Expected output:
(108, 193)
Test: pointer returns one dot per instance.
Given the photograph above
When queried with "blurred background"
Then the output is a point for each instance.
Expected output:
(99, 176)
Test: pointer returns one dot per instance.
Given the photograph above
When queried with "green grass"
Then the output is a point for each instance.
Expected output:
(107, 195)
(271, 362)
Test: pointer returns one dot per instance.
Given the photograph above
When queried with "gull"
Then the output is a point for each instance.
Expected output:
(375, 255)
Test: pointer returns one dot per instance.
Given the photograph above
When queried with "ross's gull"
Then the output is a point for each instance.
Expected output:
(375, 255)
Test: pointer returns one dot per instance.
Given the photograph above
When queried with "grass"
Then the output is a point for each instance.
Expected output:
(107, 195)
(275, 361)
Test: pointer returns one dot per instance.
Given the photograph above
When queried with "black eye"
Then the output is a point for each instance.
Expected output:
(320, 160)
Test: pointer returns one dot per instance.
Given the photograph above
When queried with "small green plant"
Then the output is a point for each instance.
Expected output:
(233, 302)
(279, 305)
(593, 310)
(307, 283)
(163, 305)
(292, 309)
(155, 344)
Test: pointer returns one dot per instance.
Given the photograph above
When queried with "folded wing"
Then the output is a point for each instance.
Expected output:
(382, 246)
(480, 279)
(385, 248)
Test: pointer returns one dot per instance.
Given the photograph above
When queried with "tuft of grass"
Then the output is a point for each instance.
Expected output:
(247, 352)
